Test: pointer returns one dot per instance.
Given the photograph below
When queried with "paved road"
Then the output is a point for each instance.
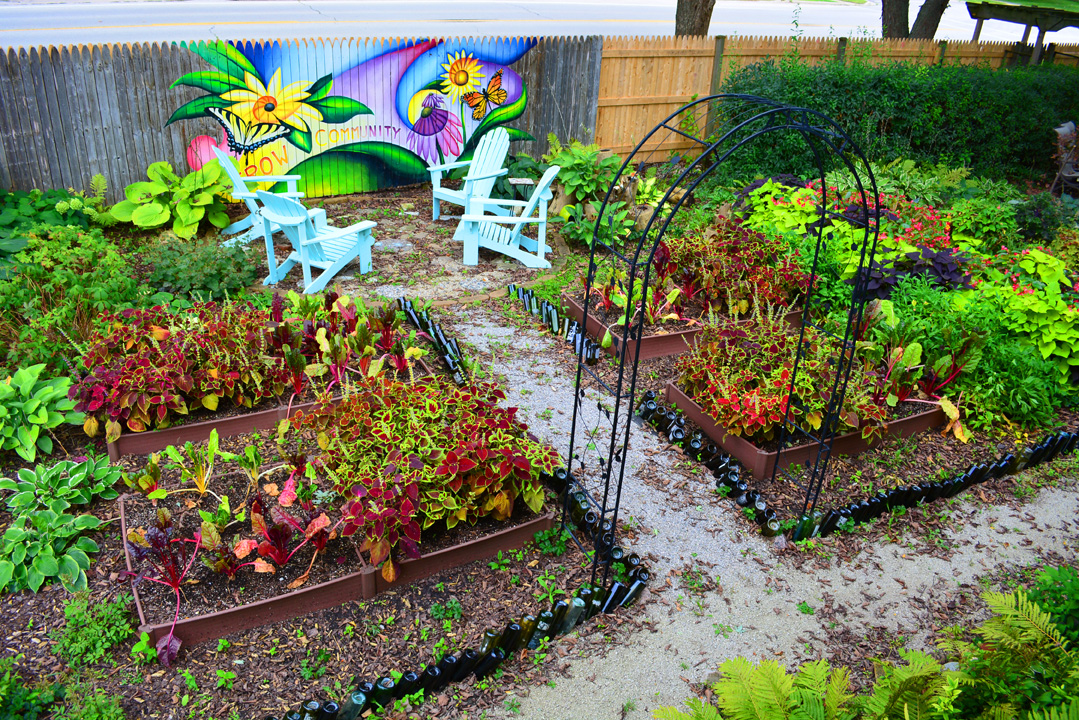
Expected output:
(41, 22)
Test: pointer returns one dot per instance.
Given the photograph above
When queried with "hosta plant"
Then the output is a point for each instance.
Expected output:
(30, 406)
(410, 457)
(45, 545)
(185, 201)
(61, 485)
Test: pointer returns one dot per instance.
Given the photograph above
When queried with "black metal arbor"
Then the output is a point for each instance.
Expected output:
(685, 149)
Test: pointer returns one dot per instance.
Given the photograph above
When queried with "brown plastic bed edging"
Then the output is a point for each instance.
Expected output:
(362, 585)
(133, 443)
(760, 463)
(652, 346)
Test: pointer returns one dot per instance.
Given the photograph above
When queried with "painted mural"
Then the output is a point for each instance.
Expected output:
(352, 116)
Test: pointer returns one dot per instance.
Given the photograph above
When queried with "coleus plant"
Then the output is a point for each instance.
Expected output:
(740, 374)
(148, 366)
(407, 457)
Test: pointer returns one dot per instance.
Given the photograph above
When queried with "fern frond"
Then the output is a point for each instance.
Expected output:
(1064, 712)
(749, 692)
(813, 676)
(1004, 711)
(837, 696)
(698, 710)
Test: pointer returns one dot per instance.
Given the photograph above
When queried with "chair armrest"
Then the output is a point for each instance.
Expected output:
(448, 166)
(334, 233)
(485, 176)
(271, 178)
(497, 201)
(500, 219)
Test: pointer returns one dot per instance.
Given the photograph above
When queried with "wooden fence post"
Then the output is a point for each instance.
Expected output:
(841, 49)
(943, 51)
(717, 65)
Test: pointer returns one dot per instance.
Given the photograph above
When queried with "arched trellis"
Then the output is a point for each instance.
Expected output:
(685, 149)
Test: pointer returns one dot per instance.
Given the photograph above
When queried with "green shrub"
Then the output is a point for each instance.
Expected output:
(91, 631)
(61, 485)
(39, 547)
(584, 175)
(82, 703)
(1056, 591)
(22, 210)
(996, 122)
(65, 277)
(19, 702)
(1039, 218)
(203, 271)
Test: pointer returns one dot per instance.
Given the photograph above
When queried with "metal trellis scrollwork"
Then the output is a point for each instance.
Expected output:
(687, 148)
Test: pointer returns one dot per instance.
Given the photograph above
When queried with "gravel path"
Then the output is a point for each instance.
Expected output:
(741, 597)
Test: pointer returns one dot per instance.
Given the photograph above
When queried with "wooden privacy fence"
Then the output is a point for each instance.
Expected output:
(68, 113)
(645, 79)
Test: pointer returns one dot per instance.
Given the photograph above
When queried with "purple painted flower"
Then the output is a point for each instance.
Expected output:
(435, 127)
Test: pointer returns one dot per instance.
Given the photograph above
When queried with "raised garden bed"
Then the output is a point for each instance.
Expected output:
(760, 463)
(154, 440)
(652, 346)
(361, 585)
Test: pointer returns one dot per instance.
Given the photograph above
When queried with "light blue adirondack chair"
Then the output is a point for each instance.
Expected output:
(327, 248)
(241, 191)
(504, 233)
(483, 169)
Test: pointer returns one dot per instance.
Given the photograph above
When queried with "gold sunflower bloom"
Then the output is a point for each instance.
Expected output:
(271, 104)
(462, 76)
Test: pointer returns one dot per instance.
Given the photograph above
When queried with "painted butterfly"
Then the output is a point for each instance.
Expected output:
(243, 136)
(494, 94)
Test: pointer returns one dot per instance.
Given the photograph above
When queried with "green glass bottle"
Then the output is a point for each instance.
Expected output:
(559, 611)
(310, 710)
(528, 626)
(294, 715)
(330, 711)
(488, 643)
(384, 688)
(573, 615)
(585, 593)
(543, 629)
(353, 707)
(634, 592)
(510, 637)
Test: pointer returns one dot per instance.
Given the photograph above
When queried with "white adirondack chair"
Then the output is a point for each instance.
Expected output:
(327, 248)
(483, 169)
(504, 233)
(252, 223)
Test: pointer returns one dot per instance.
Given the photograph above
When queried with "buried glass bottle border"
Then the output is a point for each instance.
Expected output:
(727, 472)
(494, 648)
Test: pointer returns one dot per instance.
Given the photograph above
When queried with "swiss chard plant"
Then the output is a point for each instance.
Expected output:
(169, 559)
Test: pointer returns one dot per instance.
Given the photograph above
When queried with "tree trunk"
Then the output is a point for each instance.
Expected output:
(692, 17)
(894, 22)
(925, 25)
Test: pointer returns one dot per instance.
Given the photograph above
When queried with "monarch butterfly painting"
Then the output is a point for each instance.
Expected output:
(243, 136)
(495, 94)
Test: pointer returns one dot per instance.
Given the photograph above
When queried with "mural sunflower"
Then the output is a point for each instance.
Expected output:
(462, 75)
(254, 112)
